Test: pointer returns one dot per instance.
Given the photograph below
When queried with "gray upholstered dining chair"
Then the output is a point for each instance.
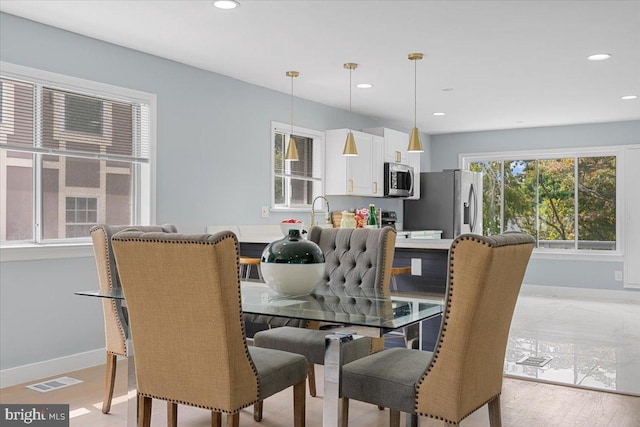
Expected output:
(465, 371)
(115, 332)
(355, 259)
(183, 295)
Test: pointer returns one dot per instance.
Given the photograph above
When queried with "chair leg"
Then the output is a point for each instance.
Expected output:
(311, 374)
(109, 382)
(172, 414)
(144, 411)
(412, 336)
(216, 419)
(257, 411)
(233, 420)
(394, 418)
(299, 404)
(413, 420)
(345, 412)
(495, 416)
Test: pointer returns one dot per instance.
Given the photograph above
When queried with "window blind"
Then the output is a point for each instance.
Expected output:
(41, 119)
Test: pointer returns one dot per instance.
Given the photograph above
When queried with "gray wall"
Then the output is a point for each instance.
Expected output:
(587, 274)
(40, 317)
(445, 148)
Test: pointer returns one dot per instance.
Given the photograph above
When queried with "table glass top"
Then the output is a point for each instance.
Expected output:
(356, 307)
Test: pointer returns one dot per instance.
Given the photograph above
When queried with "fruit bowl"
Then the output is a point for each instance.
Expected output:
(286, 226)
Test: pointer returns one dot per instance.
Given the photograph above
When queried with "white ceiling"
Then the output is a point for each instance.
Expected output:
(488, 64)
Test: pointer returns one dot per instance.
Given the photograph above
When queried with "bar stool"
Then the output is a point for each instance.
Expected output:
(409, 334)
(396, 271)
(245, 267)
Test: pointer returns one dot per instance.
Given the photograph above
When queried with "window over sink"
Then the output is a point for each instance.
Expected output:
(295, 184)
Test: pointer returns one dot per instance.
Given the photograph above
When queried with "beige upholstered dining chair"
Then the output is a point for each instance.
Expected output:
(355, 259)
(183, 295)
(115, 332)
(465, 371)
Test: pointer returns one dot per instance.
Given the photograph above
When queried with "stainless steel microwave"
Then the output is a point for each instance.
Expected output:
(398, 180)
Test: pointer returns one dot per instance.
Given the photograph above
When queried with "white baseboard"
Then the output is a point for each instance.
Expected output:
(580, 293)
(48, 368)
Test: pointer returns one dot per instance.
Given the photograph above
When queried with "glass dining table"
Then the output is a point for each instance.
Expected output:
(361, 312)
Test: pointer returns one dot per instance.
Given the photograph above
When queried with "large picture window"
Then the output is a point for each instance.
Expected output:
(567, 201)
(296, 183)
(72, 154)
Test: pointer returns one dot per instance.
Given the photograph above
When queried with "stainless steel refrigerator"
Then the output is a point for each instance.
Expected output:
(450, 201)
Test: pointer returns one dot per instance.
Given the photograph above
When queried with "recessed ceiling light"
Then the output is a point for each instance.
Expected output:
(627, 97)
(447, 89)
(598, 57)
(226, 4)
(439, 114)
(364, 85)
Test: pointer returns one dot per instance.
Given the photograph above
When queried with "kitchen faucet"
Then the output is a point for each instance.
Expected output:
(313, 211)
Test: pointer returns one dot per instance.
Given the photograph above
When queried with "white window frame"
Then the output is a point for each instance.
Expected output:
(144, 187)
(318, 148)
(465, 160)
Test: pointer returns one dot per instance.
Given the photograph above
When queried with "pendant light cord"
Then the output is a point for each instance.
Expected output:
(291, 136)
(415, 93)
(350, 70)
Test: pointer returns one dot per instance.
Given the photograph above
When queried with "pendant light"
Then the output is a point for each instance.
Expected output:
(415, 145)
(292, 150)
(350, 144)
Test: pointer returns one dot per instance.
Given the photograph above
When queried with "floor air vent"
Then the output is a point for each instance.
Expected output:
(54, 384)
(537, 362)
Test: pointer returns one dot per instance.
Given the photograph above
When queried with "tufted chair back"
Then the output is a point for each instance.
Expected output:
(115, 332)
(358, 258)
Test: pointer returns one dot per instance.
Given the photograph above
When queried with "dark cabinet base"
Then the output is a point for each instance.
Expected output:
(434, 270)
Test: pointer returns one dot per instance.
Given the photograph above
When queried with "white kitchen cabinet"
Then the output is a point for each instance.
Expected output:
(395, 151)
(359, 175)
(395, 144)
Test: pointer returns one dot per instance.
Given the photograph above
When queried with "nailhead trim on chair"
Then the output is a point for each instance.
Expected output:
(221, 237)
(485, 241)
(112, 301)
(184, 402)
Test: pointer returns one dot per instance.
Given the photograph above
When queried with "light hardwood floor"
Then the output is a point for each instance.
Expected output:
(524, 403)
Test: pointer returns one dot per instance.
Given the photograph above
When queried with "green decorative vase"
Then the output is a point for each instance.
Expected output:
(292, 265)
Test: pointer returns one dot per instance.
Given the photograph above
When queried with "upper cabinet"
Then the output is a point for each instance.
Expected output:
(395, 151)
(360, 175)
(395, 144)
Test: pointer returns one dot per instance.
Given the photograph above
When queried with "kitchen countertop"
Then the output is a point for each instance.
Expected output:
(269, 233)
(443, 244)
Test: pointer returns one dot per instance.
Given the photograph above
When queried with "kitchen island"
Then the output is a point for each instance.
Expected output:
(428, 257)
